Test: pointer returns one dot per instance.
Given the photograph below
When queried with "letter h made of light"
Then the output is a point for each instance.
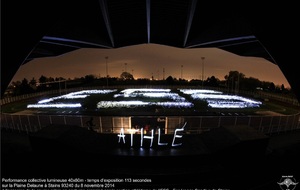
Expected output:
(147, 137)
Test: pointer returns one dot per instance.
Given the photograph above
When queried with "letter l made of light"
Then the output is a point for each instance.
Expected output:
(158, 142)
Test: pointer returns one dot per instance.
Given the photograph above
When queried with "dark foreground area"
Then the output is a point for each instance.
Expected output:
(226, 158)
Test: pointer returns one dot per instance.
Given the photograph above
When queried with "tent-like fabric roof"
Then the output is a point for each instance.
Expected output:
(34, 29)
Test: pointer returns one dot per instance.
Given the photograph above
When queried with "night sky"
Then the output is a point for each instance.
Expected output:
(147, 60)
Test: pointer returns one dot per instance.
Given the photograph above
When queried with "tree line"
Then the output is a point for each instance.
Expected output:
(234, 81)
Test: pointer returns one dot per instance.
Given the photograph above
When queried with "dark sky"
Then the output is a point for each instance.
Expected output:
(146, 60)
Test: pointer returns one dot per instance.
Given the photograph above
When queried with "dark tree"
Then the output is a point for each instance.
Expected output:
(43, 79)
(89, 79)
(212, 81)
(126, 76)
(170, 80)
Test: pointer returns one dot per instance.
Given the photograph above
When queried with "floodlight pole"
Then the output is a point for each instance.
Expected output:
(181, 72)
(59, 86)
(106, 71)
(202, 70)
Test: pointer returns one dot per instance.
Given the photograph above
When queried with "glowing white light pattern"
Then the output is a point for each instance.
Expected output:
(150, 92)
(175, 104)
(202, 91)
(216, 99)
(77, 105)
(227, 104)
(141, 90)
(172, 96)
(128, 104)
(67, 96)
(177, 101)
(73, 95)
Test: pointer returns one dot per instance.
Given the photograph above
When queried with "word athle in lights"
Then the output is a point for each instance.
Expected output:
(176, 135)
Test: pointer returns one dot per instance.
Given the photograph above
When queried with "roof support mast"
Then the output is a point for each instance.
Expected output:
(191, 12)
(104, 10)
(148, 19)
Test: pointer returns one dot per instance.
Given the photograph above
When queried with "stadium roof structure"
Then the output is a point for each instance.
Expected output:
(34, 29)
